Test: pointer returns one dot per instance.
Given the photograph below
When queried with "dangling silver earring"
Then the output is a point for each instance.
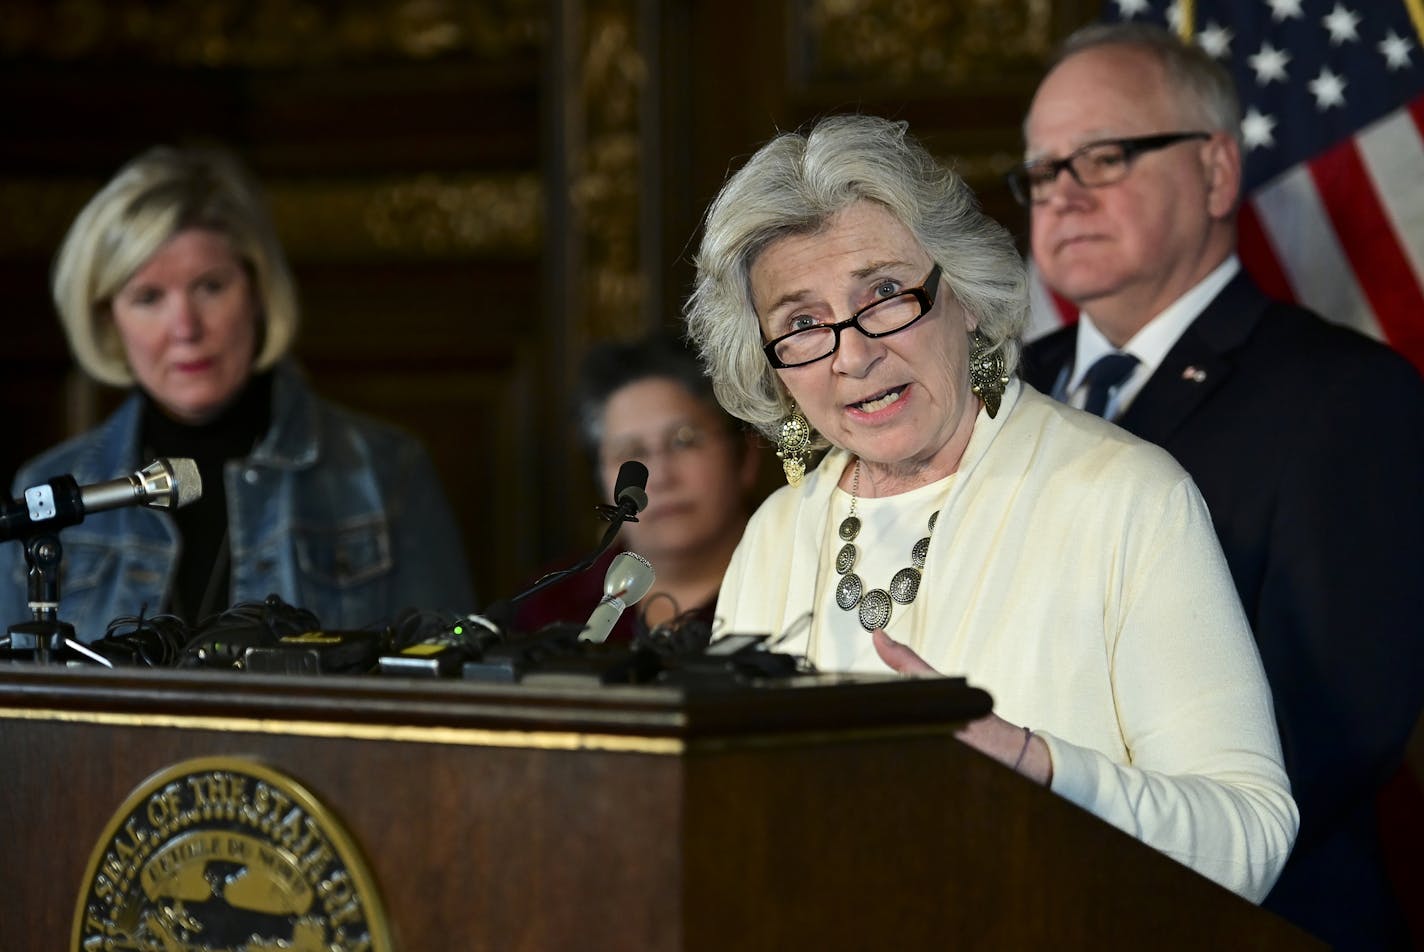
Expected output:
(793, 445)
(987, 374)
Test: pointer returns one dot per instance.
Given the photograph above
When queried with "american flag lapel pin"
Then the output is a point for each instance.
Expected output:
(1194, 374)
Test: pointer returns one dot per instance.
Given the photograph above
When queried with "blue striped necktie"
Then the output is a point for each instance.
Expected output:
(1109, 371)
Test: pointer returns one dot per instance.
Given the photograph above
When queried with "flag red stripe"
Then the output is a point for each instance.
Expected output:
(1067, 310)
(1368, 239)
(1259, 258)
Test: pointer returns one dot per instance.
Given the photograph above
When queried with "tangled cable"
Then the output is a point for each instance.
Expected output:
(220, 640)
(156, 641)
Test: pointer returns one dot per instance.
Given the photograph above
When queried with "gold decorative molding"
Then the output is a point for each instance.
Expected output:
(424, 216)
(508, 738)
(603, 187)
(395, 733)
(898, 42)
(274, 33)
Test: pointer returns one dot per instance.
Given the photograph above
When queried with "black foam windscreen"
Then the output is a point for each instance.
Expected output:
(630, 489)
(631, 473)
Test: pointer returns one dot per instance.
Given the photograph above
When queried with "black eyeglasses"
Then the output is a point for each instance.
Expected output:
(1092, 166)
(881, 319)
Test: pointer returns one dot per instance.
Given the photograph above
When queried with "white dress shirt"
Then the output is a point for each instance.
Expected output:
(1149, 345)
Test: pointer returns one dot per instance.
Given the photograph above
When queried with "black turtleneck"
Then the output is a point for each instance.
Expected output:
(204, 580)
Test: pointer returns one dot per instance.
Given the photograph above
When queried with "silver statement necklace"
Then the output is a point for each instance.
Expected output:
(877, 604)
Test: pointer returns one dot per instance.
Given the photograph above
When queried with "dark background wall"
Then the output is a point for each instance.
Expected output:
(471, 190)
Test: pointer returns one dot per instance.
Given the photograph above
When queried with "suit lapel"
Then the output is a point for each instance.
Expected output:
(1046, 358)
(1198, 364)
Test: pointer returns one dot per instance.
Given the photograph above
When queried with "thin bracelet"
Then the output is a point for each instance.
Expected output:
(1028, 736)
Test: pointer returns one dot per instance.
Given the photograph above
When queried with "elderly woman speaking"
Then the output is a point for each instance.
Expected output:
(850, 293)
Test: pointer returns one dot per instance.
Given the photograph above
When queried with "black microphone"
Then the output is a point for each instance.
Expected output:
(630, 493)
(60, 502)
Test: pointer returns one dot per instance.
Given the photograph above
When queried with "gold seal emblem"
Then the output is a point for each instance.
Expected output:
(220, 854)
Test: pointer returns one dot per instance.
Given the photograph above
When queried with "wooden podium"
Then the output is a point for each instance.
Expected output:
(805, 814)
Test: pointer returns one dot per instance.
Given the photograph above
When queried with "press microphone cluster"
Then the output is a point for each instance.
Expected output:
(501, 652)
(630, 497)
(60, 502)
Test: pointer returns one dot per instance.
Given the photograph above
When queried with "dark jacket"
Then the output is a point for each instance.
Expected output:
(1307, 442)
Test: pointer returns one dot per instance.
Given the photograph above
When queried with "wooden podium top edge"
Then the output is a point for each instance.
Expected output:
(652, 718)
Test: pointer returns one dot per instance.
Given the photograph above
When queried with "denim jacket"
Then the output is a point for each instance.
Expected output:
(333, 512)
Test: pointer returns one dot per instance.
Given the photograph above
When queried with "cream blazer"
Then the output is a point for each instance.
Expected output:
(1074, 575)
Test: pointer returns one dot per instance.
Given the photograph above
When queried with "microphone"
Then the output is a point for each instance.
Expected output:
(630, 493)
(628, 579)
(631, 498)
(162, 484)
(497, 621)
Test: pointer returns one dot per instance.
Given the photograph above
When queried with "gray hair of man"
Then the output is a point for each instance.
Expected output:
(1201, 85)
(152, 198)
(795, 185)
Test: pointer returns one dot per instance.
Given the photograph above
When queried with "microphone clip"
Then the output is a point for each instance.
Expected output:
(624, 512)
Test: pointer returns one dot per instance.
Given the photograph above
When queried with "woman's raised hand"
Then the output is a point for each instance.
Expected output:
(900, 658)
(1015, 747)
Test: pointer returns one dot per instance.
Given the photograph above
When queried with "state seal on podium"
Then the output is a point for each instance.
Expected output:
(222, 853)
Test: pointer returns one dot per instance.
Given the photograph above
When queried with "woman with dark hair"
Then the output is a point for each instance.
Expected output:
(648, 400)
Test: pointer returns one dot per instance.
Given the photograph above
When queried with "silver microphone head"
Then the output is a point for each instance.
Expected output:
(170, 483)
(630, 574)
(628, 579)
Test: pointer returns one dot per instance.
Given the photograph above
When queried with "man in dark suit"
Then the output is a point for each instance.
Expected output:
(1307, 440)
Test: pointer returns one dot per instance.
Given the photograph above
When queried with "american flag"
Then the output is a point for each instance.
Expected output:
(1332, 95)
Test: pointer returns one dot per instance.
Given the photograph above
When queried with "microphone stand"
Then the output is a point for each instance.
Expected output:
(62, 502)
(499, 616)
(44, 637)
(617, 516)
(629, 500)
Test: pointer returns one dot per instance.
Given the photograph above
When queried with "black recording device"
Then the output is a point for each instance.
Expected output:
(743, 656)
(430, 645)
(514, 656)
(224, 640)
(319, 652)
(596, 663)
